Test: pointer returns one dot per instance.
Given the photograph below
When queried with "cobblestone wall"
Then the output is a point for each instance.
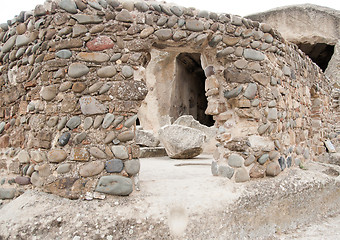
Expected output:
(72, 80)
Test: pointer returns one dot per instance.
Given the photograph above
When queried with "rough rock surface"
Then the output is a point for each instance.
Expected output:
(146, 138)
(69, 59)
(160, 190)
(115, 185)
(182, 142)
(210, 132)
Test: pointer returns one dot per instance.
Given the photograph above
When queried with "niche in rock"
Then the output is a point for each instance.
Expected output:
(188, 97)
(320, 53)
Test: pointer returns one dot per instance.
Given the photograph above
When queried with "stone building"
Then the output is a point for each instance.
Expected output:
(315, 30)
(74, 75)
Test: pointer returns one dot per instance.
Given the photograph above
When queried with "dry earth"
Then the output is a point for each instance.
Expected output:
(184, 201)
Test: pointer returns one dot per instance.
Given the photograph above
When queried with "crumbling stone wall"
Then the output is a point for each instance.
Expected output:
(300, 24)
(73, 78)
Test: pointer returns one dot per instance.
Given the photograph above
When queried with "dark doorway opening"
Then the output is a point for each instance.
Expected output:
(188, 97)
(320, 53)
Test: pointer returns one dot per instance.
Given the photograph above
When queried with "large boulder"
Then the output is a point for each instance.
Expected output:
(189, 121)
(181, 142)
(146, 138)
(210, 132)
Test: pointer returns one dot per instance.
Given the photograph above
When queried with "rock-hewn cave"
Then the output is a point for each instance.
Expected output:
(320, 53)
(189, 95)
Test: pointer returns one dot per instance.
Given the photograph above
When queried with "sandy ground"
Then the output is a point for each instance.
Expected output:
(186, 183)
(328, 229)
(180, 199)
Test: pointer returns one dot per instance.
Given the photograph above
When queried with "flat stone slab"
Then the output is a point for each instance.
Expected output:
(87, 19)
(146, 138)
(150, 152)
(100, 43)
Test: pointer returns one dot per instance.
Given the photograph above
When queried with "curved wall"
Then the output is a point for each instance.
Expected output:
(73, 78)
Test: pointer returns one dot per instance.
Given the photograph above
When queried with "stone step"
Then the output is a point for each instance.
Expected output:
(147, 152)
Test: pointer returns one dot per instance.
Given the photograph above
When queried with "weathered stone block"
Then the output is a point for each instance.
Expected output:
(77, 70)
(115, 185)
(56, 155)
(194, 25)
(4, 141)
(261, 78)
(93, 57)
(87, 19)
(273, 169)
(22, 180)
(252, 54)
(225, 171)
(64, 168)
(79, 154)
(100, 43)
(91, 169)
(114, 166)
(66, 187)
(70, 43)
(7, 193)
(235, 160)
(233, 93)
(132, 167)
(64, 138)
(73, 122)
(106, 72)
(97, 153)
(120, 152)
(68, 5)
(234, 75)
(23, 156)
(126, 136)
(181, 142)
(131, 90)
(124, 16)
(78, 87)
(90, 106)
(146, 138)
(48, 93)
(250, 91)
(241, 175)
(257, 171)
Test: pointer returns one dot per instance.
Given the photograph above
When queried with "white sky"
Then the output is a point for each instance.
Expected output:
(245, 7)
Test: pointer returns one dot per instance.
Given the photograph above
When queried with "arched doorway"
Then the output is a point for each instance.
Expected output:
(176, 84)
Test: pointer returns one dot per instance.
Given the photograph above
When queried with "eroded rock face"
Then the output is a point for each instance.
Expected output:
(304, 30)
(182, 142)
(210, 132)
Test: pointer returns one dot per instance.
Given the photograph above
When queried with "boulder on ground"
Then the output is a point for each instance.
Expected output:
(146, 138)
(210, 132)
(189, 121)
(181, 142)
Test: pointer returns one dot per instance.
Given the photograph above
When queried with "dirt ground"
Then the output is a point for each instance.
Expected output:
(327, 228)
(180, 199)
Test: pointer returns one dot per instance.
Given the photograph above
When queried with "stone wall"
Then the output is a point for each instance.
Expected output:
(300, 24)
(73, 78)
